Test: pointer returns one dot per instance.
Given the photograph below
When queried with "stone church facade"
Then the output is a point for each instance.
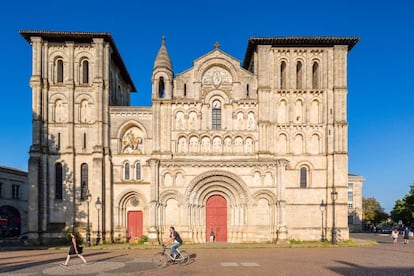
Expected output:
(248, 150)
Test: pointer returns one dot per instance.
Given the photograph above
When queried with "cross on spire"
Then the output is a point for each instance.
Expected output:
(216, 45)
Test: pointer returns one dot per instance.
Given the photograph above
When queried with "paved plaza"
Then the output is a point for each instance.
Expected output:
(383, 259)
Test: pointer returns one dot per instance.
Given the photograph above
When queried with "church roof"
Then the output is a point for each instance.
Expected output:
(82, 37)
(296, 41)
(163, 58)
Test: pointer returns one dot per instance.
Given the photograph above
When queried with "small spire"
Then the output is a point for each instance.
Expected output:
(216, 45)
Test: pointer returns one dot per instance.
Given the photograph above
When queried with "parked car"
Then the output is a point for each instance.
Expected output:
(384, 230)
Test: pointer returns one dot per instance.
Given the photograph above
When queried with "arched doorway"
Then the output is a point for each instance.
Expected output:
(216, 217)
(135, 224)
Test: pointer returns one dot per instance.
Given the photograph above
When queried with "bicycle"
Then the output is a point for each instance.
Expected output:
(163, 258)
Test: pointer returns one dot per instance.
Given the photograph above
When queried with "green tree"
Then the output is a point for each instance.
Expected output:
(404, 208)
(372, 210)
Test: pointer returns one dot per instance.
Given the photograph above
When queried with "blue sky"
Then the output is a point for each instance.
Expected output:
(380, 66)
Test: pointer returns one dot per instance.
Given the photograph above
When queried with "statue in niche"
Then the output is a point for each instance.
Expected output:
(192, 120)
(250, 121)
(205, 144)
(257, 179)
(132, 142)
(194, 146)
(227, 144)
(238, 145)
(182, 145)
(60, 115)
(217, 145)
(240, 121)
(180, 120)
(268, 179)
(249, 145)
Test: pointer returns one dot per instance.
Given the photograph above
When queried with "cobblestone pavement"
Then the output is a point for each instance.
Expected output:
(383, 259)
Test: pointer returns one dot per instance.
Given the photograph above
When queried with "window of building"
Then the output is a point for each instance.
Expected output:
(315, 75)
(15, 191)
(126, 171)
(350, 195)
(85, 71)
(216, 115)
(299, 75)
(84, 141)
(58, 181)
(59, 71)
(303, 177)
(350, 219)
(84, 181)
(138, 171)
(283, 75)
(247, 91)
(161, 88)
(185, 90)
(1, 190)
(58, 141)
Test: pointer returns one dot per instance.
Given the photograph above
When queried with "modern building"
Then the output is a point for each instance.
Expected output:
(13, 202)
(248, 149)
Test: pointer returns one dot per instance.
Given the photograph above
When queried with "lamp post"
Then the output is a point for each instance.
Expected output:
(322, 206)
(334, 195)
(98, 206)
(88, 229)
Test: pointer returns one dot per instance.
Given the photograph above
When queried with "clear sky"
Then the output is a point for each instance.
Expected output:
(380, 66)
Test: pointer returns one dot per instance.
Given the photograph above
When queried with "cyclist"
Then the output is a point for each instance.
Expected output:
(176, 240)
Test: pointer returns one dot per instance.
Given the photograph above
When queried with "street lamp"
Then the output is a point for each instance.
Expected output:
(98, 206)
(323, 207)
(334, 195)
(88, 229)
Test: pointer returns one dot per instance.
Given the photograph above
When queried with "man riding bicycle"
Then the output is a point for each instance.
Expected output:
(176, 240)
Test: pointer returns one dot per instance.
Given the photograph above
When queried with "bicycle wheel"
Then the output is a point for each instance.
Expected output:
(159, 259)
(184, 258)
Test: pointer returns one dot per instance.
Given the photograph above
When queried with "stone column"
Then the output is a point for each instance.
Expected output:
(281, 186)
(154, 201)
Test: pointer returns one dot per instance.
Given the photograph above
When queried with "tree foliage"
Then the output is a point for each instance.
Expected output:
(372, 210)
(404, 208)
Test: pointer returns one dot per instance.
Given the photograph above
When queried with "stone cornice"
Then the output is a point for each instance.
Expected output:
(220, 163)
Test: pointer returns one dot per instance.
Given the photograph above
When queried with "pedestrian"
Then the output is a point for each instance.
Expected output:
(74, 249)
(176, 240)
(406, 235)
(394, 235)
(212, 235)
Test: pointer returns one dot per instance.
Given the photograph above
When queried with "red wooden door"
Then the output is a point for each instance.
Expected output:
(216, 218)
(135, 224)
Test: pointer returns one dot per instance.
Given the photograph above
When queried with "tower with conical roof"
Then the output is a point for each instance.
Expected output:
(162, 93)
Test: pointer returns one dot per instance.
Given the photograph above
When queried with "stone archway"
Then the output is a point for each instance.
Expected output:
(233, 192)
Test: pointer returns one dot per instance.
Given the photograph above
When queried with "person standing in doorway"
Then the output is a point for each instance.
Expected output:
(212, 237)
(74, 249)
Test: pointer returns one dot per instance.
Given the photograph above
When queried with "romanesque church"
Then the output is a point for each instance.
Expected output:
(249, 149)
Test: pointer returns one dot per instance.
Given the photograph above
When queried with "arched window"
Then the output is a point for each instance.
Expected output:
(216, 115)
(299, 75)
(84, 181)
(247, 91)
(161, 88)
(185, 90)
(137, 171)
(59, 71)
(126, 171)
(58, 181)
(315, 75)
(303, 177)
(85, 71)
(283, 75)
